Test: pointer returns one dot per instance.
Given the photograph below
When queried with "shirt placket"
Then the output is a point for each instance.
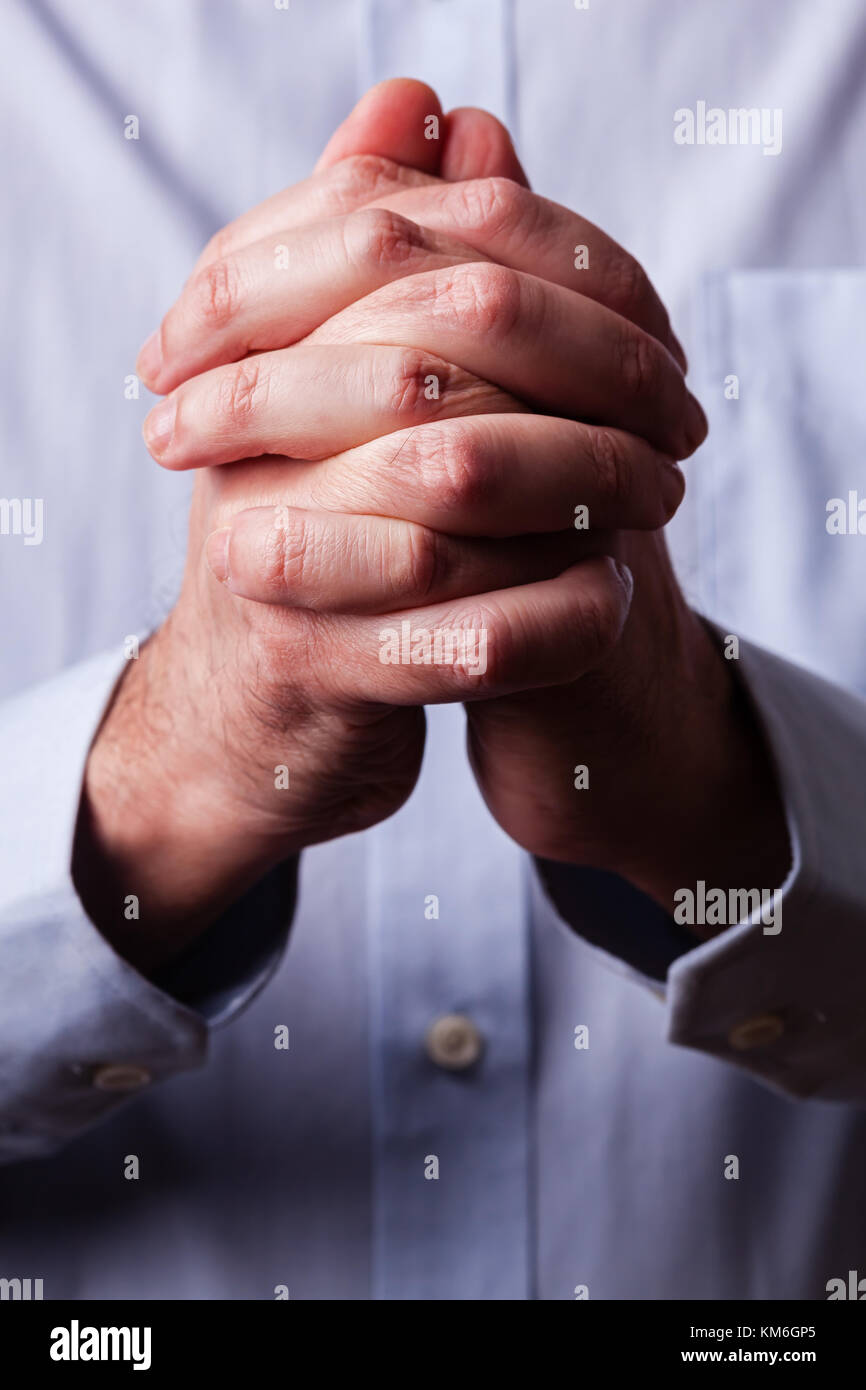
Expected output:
(448, 959)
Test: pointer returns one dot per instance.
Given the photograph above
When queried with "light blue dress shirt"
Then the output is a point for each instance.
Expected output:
(563, 1171)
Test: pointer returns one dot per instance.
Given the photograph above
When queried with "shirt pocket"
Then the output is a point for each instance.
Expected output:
(776, 490)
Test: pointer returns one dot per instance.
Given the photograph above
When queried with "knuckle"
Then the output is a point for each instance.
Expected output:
(479, 646)
(484, 297)
(489, 204)
(382, 237)
(639, 363)
(288, 553)
(241, 391)
(627, 286)
(417, 565)
(491, 631)
(612, 472)
(407, 384)
(361, 175)
(216, 292)
(452, 471)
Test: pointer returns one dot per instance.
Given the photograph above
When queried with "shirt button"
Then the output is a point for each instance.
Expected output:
(454, 1042)
(120, 1076)
(759, 1031)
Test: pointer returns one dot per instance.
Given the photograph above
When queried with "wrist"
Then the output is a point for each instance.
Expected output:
(162, 846)
(712, 809)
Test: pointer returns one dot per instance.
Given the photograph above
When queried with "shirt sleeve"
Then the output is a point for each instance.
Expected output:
(781, 999)
(80, 1029)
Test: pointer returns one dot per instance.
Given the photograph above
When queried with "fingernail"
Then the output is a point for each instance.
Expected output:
(696, 423)
(625, 575)
(159, 426)
(216, 550)
(149, 360)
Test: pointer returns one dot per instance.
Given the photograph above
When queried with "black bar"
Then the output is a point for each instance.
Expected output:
(224, 1339)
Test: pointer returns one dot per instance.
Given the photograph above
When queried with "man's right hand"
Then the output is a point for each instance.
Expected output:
(184, 804)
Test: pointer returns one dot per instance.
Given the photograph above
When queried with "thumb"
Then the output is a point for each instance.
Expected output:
(390, 120)
(477, 146)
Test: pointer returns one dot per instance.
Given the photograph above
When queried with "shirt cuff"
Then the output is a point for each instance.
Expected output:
(617, 918)
(781, 999)
(785, 1002)
(80, 1028)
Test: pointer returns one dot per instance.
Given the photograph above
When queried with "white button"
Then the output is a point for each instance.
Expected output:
(120, 1076)
(454, 1042)
(759, 1031)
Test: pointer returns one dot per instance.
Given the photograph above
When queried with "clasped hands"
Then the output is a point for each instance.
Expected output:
(396, 389)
